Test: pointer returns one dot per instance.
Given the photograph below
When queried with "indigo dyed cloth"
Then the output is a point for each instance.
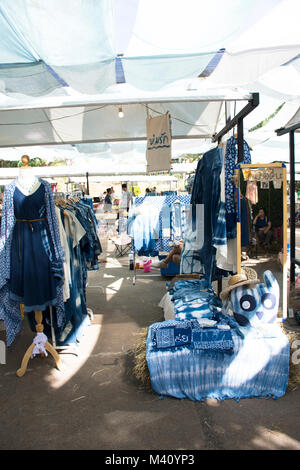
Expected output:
(194, 299)
(207, 192)
(212, 339)
(258, 366)
(231, 158)
(171, 334)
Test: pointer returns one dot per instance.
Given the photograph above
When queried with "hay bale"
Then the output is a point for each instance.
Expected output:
(140, 368)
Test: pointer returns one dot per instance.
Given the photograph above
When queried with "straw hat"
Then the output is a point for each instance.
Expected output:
(247, 277)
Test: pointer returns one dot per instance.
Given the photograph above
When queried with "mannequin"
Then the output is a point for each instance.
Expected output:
(27, 182)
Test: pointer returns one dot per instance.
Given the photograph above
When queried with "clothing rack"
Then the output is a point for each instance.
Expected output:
(231, 123)
(73, 347)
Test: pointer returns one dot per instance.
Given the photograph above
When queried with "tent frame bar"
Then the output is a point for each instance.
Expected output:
(64, 103)
(121, 139)
(238, 120)
(291, 131)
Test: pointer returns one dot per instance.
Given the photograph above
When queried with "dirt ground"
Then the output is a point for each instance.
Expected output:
(97, 403)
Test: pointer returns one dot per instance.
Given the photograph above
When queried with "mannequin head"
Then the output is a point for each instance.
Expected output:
(25, 159)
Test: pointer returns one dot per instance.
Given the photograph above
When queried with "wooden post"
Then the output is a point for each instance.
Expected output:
(284, 251)
(284, 227)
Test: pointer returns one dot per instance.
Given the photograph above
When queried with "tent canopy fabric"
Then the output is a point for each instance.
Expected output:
(193, 116)
(62, 77)
(187, 35)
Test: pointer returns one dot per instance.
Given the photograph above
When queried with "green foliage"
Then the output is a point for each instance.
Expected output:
(34, 162)
(265, 121)
(8, 164)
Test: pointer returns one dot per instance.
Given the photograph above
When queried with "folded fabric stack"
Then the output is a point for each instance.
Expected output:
(192, 334)
(194, 299)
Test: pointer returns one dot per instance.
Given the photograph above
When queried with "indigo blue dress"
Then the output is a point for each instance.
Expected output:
(34, 275)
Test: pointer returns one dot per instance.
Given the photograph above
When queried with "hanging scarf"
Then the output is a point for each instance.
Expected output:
(231, 159)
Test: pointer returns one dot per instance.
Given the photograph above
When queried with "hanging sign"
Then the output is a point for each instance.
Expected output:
(159, 140)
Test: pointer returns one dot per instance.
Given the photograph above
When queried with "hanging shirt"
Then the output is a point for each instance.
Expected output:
(66, 262)
(252, 192)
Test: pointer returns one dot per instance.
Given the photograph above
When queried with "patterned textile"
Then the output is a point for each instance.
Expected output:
(199, 374)
(9, 309)
(170, 334)
(168, 223)
(213, 338)
(231, 158)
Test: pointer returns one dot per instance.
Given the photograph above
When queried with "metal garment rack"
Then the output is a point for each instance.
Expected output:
(294, 261)
(69, 348)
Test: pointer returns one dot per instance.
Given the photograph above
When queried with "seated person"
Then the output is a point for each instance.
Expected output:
(263, 227)
(174, 256)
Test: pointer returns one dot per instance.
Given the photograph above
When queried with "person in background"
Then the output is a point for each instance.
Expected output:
(263, 226)
(148, 191)
(174, 256)
(126, 197)
(108, 201)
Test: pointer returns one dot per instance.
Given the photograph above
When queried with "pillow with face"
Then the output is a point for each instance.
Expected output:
(256, 305)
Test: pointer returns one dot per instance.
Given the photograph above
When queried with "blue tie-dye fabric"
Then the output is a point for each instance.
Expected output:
(257, 366)
(194, 299)
(239, 362)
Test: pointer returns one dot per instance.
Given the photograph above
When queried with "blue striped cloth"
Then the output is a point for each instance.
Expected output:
(258, 366)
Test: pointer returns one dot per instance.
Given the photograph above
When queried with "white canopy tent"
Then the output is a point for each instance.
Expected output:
(56, 92)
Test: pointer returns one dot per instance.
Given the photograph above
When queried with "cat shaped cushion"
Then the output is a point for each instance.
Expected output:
(256, 305)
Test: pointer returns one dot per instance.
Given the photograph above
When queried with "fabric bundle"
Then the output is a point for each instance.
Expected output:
(194, 299)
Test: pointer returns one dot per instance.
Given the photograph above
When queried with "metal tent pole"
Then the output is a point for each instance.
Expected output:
(292, 208)
(87, 184)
